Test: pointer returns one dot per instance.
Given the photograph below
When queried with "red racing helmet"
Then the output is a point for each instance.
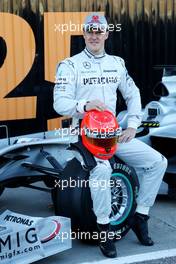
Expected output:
(100, 132)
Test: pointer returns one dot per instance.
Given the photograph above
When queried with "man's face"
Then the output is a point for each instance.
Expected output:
(95, 40)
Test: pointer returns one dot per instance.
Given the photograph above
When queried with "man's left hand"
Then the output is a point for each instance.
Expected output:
(127, 135)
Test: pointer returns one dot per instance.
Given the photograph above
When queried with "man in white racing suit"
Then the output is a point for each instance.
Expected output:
(87, 81)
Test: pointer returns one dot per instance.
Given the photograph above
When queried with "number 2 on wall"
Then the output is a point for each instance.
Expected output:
(20, 43)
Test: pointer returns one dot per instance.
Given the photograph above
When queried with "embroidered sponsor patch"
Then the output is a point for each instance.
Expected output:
(101, 80)
(109, 70)
(61, 88)
(62, 80)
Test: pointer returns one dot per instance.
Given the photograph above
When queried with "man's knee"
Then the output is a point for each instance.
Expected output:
(161, 164)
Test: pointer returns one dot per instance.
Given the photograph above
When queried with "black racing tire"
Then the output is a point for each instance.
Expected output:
(1, 190)
(76, 202)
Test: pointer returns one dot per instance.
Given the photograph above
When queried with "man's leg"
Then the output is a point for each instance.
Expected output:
(150, 167)
(101, 197)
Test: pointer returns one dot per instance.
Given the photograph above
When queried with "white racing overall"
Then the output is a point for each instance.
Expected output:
(85, 77)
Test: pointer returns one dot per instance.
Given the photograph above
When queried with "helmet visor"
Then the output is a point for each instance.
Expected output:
(106, 143)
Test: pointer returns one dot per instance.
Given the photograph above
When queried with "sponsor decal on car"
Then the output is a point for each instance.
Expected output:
(25, 239)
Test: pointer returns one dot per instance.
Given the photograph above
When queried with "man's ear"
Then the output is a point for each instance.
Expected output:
(83, 34)
(106, 35)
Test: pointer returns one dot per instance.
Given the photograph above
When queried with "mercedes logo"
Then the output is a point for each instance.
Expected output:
(86, 65)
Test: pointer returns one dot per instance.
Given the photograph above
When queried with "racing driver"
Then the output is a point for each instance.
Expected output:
(88, 81)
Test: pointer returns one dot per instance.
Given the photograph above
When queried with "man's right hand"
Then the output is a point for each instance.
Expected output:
(95, 105)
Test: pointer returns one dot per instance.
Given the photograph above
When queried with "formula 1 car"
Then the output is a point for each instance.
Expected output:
(158, 127)
(58, 160)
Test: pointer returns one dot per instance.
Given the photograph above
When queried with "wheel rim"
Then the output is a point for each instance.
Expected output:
(122, 198)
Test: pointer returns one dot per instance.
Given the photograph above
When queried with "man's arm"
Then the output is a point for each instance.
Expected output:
(65, 92)
(131, 94)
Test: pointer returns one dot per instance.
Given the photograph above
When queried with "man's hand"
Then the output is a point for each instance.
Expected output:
(95, 105)
(127, 135)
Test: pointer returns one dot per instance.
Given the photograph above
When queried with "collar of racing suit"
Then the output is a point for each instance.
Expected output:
(91, 55)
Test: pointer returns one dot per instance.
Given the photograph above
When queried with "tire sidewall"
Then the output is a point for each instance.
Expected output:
(128, 175)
